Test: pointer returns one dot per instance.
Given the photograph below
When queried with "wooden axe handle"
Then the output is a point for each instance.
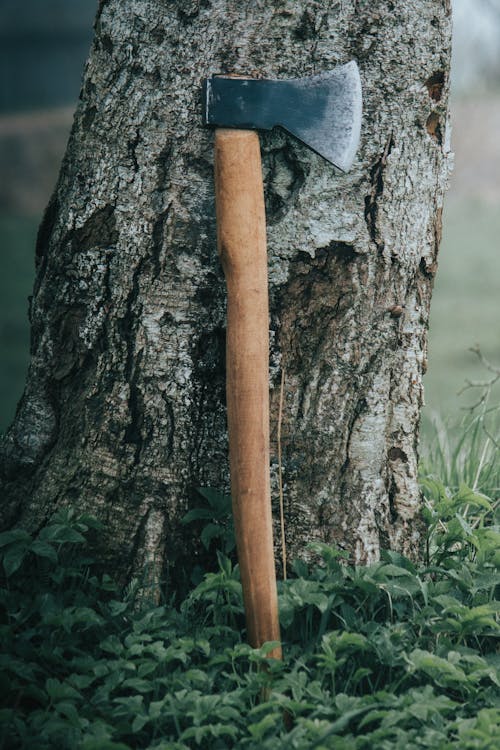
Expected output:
(241, 239)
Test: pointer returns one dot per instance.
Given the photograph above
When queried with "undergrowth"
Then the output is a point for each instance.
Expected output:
(381, 657)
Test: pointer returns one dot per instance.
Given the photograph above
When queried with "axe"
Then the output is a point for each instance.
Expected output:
(324, 112)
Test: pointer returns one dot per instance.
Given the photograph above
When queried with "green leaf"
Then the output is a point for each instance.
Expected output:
(117, 608)
(466, 496)
(139, 722)
(267, 647)
(61, 533)
(68, 710)
(136, 683)
(210, 531)
(286, 610)
(85, 616)
(14, 536)
(262, 727)
(305, 593)
(346, 641)
(43, 549)
(443, 671)
(360, 674)
(58, 691)
(13, 558)
(393, 571)
(399, 560)
(134, 703)
(197, 514)
(112, 645)
(81, 681)
(216, 499)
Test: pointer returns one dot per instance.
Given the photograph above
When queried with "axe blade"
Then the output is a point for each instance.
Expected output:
(323, 111)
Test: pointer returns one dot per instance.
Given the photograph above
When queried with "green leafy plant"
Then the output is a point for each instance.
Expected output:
(215, 510)
(391, 655)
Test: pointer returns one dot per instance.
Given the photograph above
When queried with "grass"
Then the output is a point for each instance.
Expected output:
(467, 453)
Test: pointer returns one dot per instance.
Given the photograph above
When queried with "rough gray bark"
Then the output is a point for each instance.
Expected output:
(123, 412)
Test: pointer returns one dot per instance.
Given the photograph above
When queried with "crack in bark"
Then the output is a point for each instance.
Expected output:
(163, 167)
(359, 408)
(372, 200)
(284, 179)
(433, 126)
(132, 144)
(397, 454)
(429, 266)
(43, 239)
(137, 542)
(158, 239)
(392, 495)
(435, 85)
(99, 230)
(128, 330)
(133, 432)
(45, 230)
(306, 28)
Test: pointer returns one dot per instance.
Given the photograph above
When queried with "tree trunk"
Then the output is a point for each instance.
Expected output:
(123, 414)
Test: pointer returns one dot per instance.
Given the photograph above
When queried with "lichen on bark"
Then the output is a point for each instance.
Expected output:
(123, 411)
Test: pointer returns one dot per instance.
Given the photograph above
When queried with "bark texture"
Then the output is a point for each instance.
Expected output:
(123, 413)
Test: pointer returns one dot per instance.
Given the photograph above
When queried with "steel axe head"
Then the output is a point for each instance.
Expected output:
(323, 111)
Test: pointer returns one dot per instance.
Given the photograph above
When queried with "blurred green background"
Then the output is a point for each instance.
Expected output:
(43, 47)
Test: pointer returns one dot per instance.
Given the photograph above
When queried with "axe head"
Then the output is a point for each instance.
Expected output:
(323, 111)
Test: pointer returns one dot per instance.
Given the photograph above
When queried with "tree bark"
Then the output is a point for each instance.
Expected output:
(123, 414)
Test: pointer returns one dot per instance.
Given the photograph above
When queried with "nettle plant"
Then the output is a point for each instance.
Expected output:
(381, 657)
